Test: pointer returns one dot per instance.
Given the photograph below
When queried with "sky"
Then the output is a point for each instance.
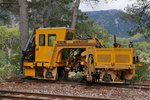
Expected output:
(113, 4)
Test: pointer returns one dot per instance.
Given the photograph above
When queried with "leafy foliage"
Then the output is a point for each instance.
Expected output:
(8, 10)
(9, 51)
(90, 28)
(143, 51)
(142, 72)
(139, 13)
(50, 13)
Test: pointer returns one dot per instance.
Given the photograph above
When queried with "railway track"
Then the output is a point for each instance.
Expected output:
(117, 85)
(13, 95)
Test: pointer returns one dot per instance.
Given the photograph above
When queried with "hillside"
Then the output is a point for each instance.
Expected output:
(111, 20)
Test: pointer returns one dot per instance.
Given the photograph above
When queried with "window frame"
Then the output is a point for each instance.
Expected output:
(49, 39)
(44, 42)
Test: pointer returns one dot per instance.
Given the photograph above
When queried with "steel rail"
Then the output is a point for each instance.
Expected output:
(41, 96)
(118, 85)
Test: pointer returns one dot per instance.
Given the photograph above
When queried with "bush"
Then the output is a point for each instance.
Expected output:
(75, 76)
(9, 52)
(142, 72)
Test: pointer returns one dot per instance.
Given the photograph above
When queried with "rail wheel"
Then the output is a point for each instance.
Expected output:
(107, 77)
(62, 74)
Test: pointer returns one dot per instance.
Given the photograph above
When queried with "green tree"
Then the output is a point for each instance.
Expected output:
(9, 51)
(8, 11)
(138, 13)
(90, 28)
(50, 13)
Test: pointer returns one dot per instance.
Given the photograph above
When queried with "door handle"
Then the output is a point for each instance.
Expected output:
(37, 49)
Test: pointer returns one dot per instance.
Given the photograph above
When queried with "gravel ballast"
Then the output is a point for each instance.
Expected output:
(78, 90)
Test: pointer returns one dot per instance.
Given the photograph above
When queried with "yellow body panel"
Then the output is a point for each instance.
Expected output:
(29, 72)
(26, 63)
(114, 57)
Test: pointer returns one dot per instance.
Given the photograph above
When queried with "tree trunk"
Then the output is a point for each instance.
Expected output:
(23, 27)
(23, 23)
(75, 14)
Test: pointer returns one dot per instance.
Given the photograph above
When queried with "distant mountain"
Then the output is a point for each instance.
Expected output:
(111, 20)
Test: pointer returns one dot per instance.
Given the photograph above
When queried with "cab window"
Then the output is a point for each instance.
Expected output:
(69, 36)
(42, 39)
(51, 39)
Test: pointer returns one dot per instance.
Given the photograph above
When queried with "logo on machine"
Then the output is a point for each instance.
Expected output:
(49, 52)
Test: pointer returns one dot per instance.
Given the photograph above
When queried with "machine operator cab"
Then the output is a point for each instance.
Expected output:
(45, 41)
(39, 53)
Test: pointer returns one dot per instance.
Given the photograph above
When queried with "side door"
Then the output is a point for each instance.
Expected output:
(40, 50)
(50, 47)
(45, 47)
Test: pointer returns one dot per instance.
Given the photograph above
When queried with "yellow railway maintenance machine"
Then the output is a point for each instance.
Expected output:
(52, 52)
